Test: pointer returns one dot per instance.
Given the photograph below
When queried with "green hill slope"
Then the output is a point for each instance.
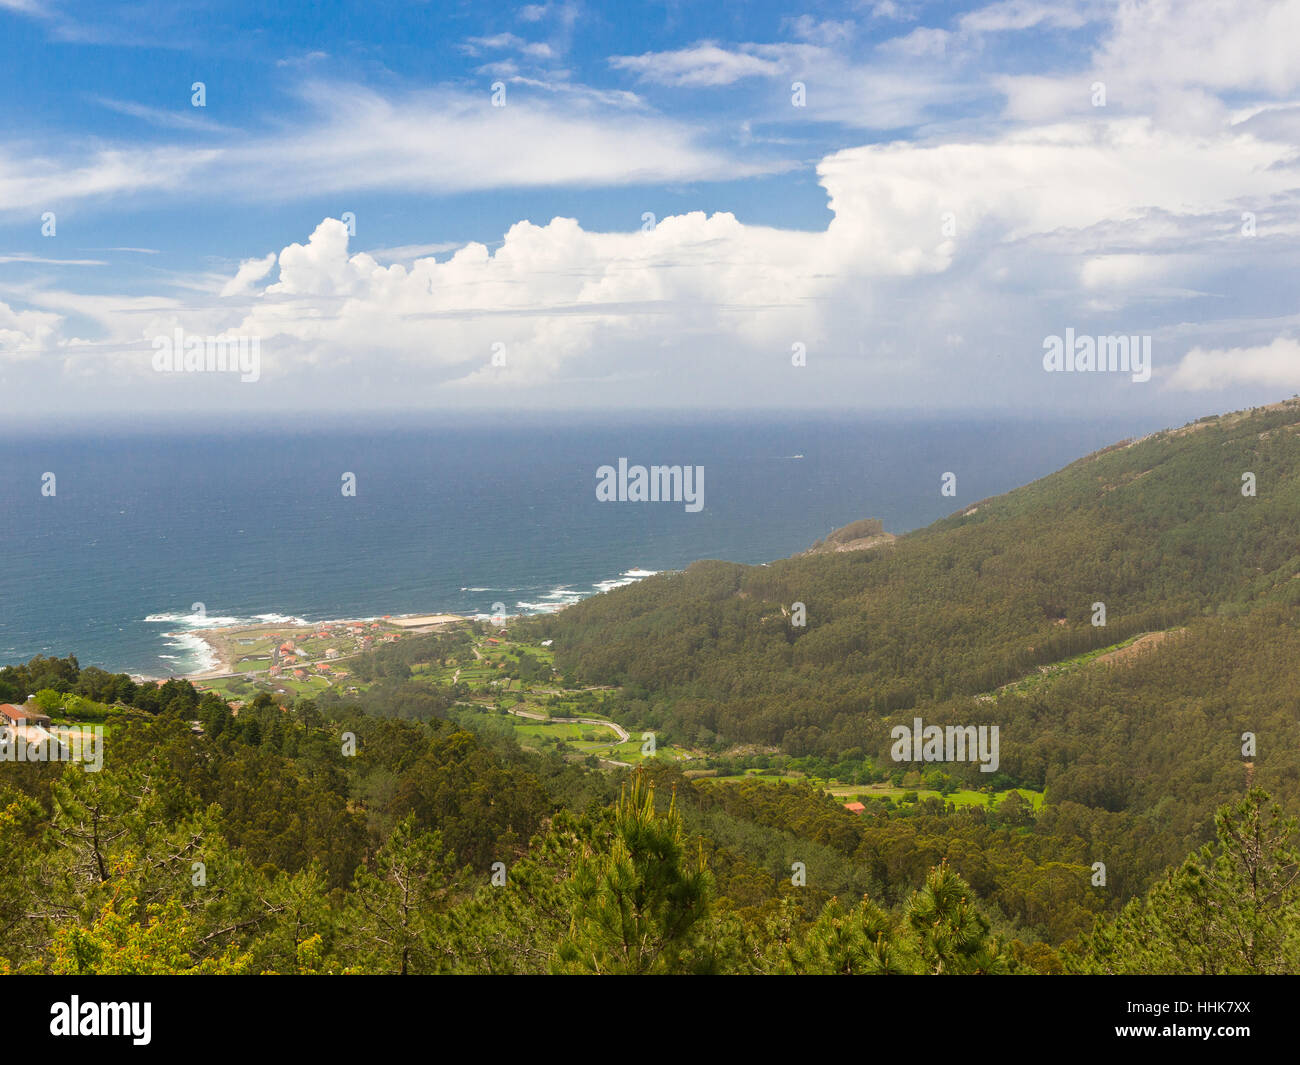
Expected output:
(1157, 530)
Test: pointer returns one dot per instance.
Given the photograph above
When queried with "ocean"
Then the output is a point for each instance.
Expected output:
(455, 514)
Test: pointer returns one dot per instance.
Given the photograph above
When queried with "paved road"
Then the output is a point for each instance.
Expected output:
(619, 730)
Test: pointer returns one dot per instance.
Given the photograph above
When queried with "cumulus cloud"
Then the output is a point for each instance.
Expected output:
(1169, 60)
(1037, 181)
(24, 334)
(249, 272)
(1242, 46)
(947, 258)
(1275, 365)
(927, 243)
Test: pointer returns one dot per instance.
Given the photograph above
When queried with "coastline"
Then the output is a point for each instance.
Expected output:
(219, 646)
(221, 641)
(215, 650)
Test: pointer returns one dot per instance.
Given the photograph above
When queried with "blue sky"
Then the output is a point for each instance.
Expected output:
(951, 185)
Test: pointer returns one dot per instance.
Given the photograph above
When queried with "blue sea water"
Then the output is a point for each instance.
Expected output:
(449, 515)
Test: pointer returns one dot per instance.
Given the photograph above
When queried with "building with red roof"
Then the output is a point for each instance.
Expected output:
(30, 714)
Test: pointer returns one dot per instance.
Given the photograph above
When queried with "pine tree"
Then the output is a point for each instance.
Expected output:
(861, 941)
(951, 934)
(639, 905)
(391, 924)
(1230, 910)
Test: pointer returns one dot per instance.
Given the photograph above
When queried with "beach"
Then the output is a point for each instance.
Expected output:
(232, 650)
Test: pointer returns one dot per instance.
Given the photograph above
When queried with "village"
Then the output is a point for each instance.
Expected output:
(294, 660)
(504, 683)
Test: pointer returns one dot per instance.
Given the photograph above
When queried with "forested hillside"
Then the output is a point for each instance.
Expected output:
(1158, 531)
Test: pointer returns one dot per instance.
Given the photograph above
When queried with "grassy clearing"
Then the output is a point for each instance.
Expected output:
(1056, 669)
(579, 738)
(961, 797)
(867, 792)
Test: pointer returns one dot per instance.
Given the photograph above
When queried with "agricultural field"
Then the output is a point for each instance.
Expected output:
(579, 739)
(249, 686)
(514, 690)
(866, 793)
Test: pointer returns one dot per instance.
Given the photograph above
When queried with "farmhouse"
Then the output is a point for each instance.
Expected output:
(28, 714)
(855, 808)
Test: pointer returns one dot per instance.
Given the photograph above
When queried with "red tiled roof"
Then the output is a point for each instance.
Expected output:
(32, 714)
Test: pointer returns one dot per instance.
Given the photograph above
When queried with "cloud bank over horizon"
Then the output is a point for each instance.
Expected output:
(1145, 183)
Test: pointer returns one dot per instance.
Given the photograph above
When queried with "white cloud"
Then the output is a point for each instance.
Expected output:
(249, 273)
(1172, 61)
(894, 9)
(27, 7)
(407, 252)
(1243, 45)
(511, 42)
(1122, 270)
(1274, 365)
(355, 139)
(704, 307)
(820, 31)
(192, 118)
(1026, 14)
(1037, 181)
(304, 60)
(703, 64)
(24, 334)
(500, 40)
(946, 261)
(889, 92)
(922, 41)
(451, 142)
(40, 260)
(32, 181)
